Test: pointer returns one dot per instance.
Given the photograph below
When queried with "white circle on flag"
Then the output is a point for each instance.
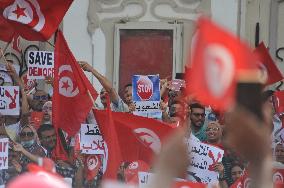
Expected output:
(66, 84)
(219, 69)
(92, 162)
(30, 13)
(149, 138)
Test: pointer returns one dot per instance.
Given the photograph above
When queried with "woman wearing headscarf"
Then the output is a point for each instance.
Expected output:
(29, 148)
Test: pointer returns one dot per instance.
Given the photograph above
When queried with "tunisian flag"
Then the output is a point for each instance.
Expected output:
(267, 65)
(131, 138)
(71, 101)
(7, 31)
(218, 58)
(243, 182)
(34, 19)
(279, 102)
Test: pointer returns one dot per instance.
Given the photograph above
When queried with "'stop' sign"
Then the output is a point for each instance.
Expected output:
(146, 88)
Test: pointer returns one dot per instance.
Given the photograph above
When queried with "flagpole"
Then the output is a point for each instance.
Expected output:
(3, 52)
(50, 44)
(91, 97)
(2, 55)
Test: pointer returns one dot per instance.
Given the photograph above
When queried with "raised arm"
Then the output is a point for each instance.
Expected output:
(102, 79)
(17, 80)
(32, 157)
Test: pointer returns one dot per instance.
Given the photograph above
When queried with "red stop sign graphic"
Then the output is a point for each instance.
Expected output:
(144, 88)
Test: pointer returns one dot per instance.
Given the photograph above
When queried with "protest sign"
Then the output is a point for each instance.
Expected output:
(146, 95)
(4, 76)
(30, 84)
(40, 64)
(91, 140)
(9, 100)
(145, 178)
(4, 144)
(203, 157)
(16, 67)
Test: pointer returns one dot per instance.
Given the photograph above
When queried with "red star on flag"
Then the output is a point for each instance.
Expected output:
(20, 12)
(65, 85)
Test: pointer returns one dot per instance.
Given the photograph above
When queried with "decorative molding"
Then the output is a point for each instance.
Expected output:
(108, 2)
(97, 13)
(189, 1)
(94, 21)
(106, 10)
(175, 7)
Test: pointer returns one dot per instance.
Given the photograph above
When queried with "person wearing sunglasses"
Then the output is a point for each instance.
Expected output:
(30, 150)
(38, 100)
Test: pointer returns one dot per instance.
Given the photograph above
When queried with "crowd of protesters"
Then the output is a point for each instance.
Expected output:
(31, 143)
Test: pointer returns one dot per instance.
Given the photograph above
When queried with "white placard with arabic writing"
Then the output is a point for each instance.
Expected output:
(145, 178)
(9, 100)
(4, 144)
(91, 140)
(203, 157)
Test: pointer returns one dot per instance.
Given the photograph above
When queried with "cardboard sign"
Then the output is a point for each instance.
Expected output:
(91, 140)
(203, 158)
(146, 95)
(9, 100)
(40, 64)
(4, 144)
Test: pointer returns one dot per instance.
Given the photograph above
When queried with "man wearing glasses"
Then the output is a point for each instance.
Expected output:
(197, 117)
(38, 100)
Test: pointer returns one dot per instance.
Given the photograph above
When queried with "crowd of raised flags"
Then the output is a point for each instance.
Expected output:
(197, 131)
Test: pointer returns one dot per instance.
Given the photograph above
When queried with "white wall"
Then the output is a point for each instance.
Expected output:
(225, 12)
(93, 49)
(75, 31)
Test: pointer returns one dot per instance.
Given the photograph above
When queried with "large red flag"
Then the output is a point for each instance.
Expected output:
(112, 155)
(218, 59)
(269, 68)
(92, 166)
(71, 98)
(34, 19)
(279, 102)
(7, 31)
(139, 138)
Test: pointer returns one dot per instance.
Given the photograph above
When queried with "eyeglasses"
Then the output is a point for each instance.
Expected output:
(40, 97)
(26, 134)
(213, 129)
(199, 114)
